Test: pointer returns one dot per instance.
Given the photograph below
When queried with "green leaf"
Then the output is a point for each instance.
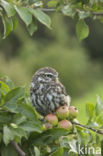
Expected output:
(102, 147)
(93, 124)
(18, 119)
(24, 14)
(90, 110)
(8, 25)
(99, 119)
(32, 28)
(15, 22)
(99, 106)
(68, 11)
(49, 136)
(5, 117)
(82, 30)
(12, 97)
(1, 136)
(31, 126)
(8, 151)
(3, 90)
(7, 135)
(18, 132)
(41, 16)
(36, 150)
(8, 82)
(83, 14)
(52, 3)
(38, 3)
(8, 7)
(4, 87)
(26, 110)
(58, 152)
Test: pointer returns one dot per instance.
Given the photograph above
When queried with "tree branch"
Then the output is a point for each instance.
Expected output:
(92, 129)
(53, 9)
(18, 149)
(97, 13)
(47, 9)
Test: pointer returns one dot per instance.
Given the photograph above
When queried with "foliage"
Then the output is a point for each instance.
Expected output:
(30, 11)
(20, 122)
(80, 102)
(42, 50)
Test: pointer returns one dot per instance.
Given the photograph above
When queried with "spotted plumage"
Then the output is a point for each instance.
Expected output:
(46, 92)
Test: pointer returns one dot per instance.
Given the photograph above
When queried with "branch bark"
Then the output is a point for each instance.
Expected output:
(47, 9)
(53, 9)
(92, 129)
(97, 13)
(18, 149)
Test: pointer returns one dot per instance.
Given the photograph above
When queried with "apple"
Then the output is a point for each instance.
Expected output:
(65, 124)
(52, 119)
(73, 112)
(62, 112)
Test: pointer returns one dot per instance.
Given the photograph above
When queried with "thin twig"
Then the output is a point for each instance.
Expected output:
(53, 9)
(97, 13)
(18, 149)
(47, 9)
(92, 129)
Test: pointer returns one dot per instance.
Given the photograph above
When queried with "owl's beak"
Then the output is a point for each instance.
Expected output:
(56, 80)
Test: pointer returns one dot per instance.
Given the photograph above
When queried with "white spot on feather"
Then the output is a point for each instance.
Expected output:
(41, 86)
(33, 97)
(52, 106)
(49, 97)
(40, 79)
(32, 85)
(39, 102)
(54, 94)
(57, 104)
(68, 99)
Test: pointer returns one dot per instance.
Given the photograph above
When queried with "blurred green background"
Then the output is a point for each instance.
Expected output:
(79, 64)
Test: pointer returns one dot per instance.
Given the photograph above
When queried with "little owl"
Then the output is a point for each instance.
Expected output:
(47, 93)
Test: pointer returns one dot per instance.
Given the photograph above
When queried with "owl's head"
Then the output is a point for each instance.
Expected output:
(46, 74)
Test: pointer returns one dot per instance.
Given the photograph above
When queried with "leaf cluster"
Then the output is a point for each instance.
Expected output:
(20, 122)
(31, 11)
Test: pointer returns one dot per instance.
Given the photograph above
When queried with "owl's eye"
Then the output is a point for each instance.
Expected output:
(49, 75)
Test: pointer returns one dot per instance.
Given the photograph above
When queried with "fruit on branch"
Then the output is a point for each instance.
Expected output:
(65, 124)
(62, 112)
(73, 112)
(48, 125)
(52, 119)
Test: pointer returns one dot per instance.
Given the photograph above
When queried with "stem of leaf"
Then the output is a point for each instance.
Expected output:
(92, 129)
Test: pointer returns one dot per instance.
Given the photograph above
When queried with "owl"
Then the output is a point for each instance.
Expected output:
(47, 93)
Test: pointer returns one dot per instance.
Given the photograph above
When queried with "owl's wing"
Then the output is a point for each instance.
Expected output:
(64, 97)
(61, 89)
(59, 95)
